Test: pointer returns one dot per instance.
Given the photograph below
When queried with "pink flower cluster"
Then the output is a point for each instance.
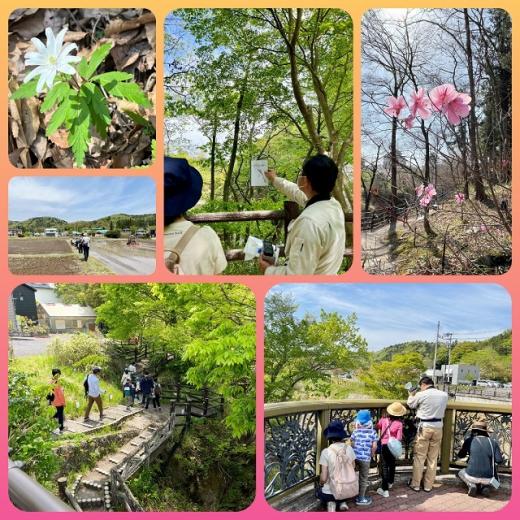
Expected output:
(444, 98)
(425, 194)
(459, 197)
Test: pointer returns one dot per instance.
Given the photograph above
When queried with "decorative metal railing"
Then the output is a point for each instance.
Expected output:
(294, 436)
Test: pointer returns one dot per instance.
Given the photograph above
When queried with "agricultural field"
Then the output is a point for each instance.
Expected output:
(41, 255)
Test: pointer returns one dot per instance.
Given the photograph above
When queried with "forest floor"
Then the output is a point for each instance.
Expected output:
(469, 240)
(132, 35)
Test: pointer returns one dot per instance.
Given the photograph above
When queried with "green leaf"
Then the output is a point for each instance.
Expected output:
(82, 68)
(61, 115)
(79, 134)
(98, 56)
(26, 90)
(99, 112)
(109, 77)
(128, 91)
(56, 94)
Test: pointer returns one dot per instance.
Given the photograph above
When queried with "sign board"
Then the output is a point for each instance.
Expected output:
(258, 167)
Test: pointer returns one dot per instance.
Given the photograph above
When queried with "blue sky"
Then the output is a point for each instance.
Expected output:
(394, 313)
(79, 198)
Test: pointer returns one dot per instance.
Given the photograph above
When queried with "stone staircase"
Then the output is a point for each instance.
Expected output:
(91, 491)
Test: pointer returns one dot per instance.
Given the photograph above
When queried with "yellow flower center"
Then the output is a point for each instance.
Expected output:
(53, 60)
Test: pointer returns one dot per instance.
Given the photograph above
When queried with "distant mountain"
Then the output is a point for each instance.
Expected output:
(493, 355)
(116, 221)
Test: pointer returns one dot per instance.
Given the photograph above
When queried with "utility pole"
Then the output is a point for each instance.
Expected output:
(448, 336)
(434, 367)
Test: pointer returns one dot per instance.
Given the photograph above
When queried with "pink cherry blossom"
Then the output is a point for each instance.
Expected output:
(459, 197)
(425, 201)
(430, 190)
(420, 104)
(442, 95)
(447, 100)
(408, 121)
(395, 105)
(419, 190)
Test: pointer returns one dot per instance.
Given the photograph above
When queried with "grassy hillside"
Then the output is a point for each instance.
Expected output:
(116, 221)
(493, 355)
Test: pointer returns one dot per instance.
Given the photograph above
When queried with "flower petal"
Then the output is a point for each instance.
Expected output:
(51, 74)
(51, 41)
(40, 46)
(59, 39)
(32, 74)
(41, 82)
(35, 58)
(66, 68)
(67, 49)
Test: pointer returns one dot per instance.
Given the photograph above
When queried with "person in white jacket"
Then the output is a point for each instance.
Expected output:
(316, 238)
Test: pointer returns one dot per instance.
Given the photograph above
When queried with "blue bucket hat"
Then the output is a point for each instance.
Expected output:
(182, 186)
(335, 430)
(363, 416)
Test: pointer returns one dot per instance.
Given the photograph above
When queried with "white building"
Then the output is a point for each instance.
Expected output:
(460, 374)
(51, 232)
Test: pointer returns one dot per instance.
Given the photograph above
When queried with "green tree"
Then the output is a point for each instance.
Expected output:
(80, 293)
(306, 350)
(386, 380)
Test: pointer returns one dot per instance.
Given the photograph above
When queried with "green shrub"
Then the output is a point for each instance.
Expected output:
(74, 349)
(113, 234)
(86, 364)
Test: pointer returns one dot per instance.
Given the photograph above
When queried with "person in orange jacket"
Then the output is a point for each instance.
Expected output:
(58, 400)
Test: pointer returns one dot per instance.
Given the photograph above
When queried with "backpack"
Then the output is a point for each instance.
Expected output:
(174, 258)
(157, 389)
(409, 430)
(343, 480)
(85, 386)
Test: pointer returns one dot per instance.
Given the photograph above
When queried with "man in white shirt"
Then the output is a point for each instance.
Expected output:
(316, 238)
(85, 242)
(93, 394)
(430, 405)
(188, 249)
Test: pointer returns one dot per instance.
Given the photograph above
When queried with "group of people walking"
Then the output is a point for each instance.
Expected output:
(315, 242)
(82, 244)
(345, 466)
(146, 387)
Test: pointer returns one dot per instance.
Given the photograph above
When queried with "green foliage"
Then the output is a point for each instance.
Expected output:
(74, 349)
(29, 428)
(80, 104)
(210, 471)
(306, 350)
(85, 364)
(80, 293)
(386, 379)
(31, 328)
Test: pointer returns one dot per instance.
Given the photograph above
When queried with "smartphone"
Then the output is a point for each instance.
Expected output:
(268, 249)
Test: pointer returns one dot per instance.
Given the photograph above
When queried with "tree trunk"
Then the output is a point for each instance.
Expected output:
(236, 135)
(393, 179)
(213, 160)
(426, 222)
(480, 192)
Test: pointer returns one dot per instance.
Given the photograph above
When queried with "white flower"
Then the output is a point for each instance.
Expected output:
(50, 59)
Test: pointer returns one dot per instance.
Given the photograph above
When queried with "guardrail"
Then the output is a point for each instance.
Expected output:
(294, 436)
(28, 495)
(290, 211)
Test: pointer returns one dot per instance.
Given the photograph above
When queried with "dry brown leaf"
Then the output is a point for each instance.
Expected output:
(119, 26)
(125, 37)
(39, 147)
(60, 138)
(74, 36)
(30, 118)
(150, 34)
(29, 26)
(17, 14)
(130, 60)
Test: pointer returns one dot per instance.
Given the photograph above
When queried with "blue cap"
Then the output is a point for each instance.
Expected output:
(182, 186)
(363, 416)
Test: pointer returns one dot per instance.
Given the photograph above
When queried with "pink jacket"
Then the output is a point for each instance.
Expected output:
(395, 430)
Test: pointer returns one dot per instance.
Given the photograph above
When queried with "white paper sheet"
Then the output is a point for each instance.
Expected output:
(258, 167)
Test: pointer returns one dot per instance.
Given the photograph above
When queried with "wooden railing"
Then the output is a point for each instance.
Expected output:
(294, 436)
(290, 211)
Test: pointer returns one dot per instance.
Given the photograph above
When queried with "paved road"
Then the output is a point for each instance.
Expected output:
(121, 264)
(33, 346)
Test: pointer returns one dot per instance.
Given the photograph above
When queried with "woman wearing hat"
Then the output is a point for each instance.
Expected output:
(390, 426)
(335, 435)
(484, 452)
(189, 249)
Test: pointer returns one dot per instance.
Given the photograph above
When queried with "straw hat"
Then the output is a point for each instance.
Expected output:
(396, 409)
(480, 425)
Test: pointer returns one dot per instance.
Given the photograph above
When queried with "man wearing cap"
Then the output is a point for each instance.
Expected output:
(189, 249)
(430, 406)
(94, 394)
(484, 453)
(316, 238)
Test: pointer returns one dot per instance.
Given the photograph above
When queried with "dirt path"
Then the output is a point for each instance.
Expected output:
(120, 264)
